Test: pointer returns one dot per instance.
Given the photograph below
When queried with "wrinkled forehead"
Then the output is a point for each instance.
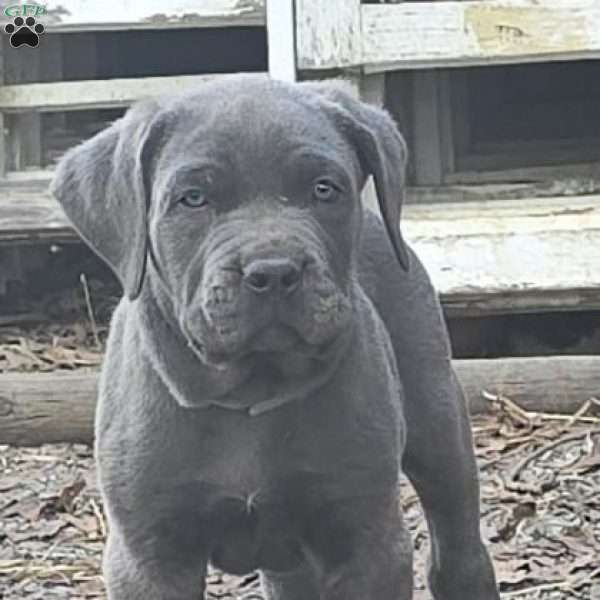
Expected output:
(254, 131)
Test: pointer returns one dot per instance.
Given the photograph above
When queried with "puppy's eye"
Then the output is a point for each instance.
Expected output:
(194, 199)
(325, 190)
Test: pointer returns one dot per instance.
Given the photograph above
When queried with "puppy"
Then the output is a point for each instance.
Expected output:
(277, 352)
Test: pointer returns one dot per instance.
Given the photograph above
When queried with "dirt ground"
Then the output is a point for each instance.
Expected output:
(540, 490)
(540, 514)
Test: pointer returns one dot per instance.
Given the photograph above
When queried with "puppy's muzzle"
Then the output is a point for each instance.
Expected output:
(272, 277)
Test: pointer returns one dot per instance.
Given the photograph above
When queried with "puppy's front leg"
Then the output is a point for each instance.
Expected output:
(440, 462)
(130, 577)
(362, 550)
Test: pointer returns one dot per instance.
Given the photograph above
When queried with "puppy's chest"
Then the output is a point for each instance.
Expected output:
(233, 461)
(253, 461)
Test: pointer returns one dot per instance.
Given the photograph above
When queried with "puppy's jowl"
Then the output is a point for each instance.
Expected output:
(279, 355)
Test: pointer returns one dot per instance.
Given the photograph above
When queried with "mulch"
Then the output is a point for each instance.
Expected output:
(540, 513)
(540, 495)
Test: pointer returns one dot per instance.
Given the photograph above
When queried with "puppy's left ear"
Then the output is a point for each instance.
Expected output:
(102, 186)
(381, 149)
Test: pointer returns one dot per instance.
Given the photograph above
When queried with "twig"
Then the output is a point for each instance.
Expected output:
(99, 518)
(522, 415)
(529, 416)
(568, 418)
(502, 456)
(90, 310)
(578, 415)
(514, 473)
(48, 552)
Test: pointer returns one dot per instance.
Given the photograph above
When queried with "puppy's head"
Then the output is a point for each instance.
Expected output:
(243, 196)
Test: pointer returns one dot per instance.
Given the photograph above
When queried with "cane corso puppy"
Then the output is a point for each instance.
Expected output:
(279, 354)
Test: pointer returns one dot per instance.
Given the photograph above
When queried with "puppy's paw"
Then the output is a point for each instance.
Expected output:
(469, 577)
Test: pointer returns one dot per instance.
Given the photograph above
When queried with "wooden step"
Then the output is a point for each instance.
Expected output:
(485, 257)
(28, 213)
(83, 15)
(89, 94)
(511, 256)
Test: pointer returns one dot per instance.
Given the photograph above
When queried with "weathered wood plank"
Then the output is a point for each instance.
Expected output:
(581, 172)
(89, 15)
(25, 129)
(3, 136)
(108, 93)
(3, 146)
(504, 191)
(51, 407)
(371, 89)
(510, 256)
(484, 257)
(281, 36)
(442, 34)
(447, 118)
(29, 213)
(328, 34)
(25, 141)
(428, 139)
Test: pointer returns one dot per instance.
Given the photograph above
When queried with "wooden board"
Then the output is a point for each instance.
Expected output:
(568, 172)
(75, 95)
(510, 256)
(59, 407)
(4, 151)
(442, 34)
(484, 257)
(28, 213)
(371, 89)
(90, 15)
(281, 37)
(328, 34)
(504, 191)
(428, 142)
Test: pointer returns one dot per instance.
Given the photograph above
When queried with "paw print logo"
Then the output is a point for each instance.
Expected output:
(24, 32)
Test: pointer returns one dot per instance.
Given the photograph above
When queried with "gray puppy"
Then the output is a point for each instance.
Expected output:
(278, 353)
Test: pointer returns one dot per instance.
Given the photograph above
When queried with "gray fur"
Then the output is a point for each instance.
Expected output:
(272, 367)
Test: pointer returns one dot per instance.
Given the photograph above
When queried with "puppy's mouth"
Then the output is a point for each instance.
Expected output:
(277, 345)
(271, 330)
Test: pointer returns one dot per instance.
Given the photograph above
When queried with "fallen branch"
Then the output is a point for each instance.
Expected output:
(59, 406)
(529, 417)
(556, 385)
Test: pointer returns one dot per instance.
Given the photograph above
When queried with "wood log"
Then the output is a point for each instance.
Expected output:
(59, 407)
(38, 408)
(552, 384)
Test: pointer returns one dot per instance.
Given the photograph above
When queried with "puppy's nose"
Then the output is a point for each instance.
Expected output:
(272, 275)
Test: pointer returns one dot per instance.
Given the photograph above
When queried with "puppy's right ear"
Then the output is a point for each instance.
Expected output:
(102, 186)
(381, 150)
